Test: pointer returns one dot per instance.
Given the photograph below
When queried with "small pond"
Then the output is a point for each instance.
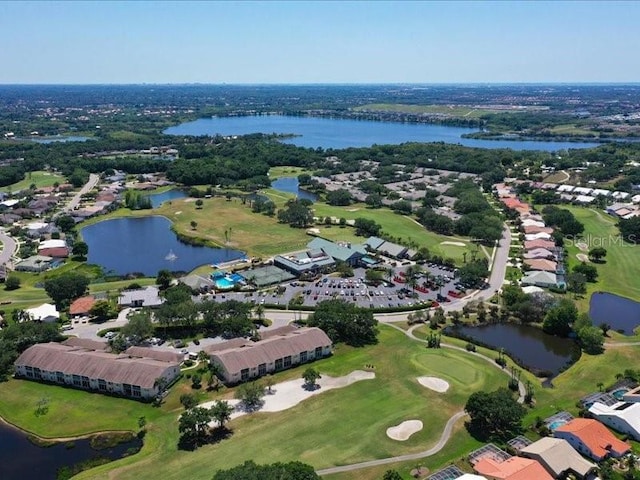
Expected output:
(147, 245)
(622, 314)
(291, 185)
(158, 199)
(22, 460)
(530, 346)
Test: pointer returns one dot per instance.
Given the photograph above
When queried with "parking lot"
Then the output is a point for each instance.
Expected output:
(441, 286)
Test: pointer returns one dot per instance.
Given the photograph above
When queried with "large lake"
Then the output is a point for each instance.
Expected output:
(22, 460)
(146, 245)
(342, 133)
(622, 314)
(533, 348)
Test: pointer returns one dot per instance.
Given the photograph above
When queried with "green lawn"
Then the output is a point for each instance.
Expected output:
(619, 273)
(71, 412)
(341, 426)
(286, 171)
(39, 178)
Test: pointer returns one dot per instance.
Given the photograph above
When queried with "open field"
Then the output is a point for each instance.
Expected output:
(619, 273)
(286, 171)
(451, 110)
(337, 427)
(39, 178)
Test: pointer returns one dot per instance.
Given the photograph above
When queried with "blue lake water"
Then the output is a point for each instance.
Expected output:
(623, 314)
(128, 245)
(343, 133)
(158, 199)
(291, 185)
(22, 460)
(534, 349)
(70, 138)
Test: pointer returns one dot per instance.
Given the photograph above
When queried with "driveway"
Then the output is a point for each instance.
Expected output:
(91, 183)
(9, 247)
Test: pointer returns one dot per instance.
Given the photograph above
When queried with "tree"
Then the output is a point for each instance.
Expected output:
(559, 319)
(366, 227)
(374, 200)
(80, 249)
(250, 394)
(276, 471)
(597, 253)
(164, 278)
(577, 283)
(66, 287)
(194, 424)
(310, 376)
(296, 213)
(102, 310)
(138, 327)
(142, 422)
(194, 224)
(199, 203)
(591, 340)
(391, 475)
(340, 197)
(474, 272)
(345, 322)
(221, 412)
(589, 271)
(373, 277)
(188, 400)
(12, 282)
(494, 415)
(66, 223)
(269, 382)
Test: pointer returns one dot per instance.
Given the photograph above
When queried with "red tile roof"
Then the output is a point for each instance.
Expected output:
(514, 468)
(595, 436)
(55, 252)
(82, 305)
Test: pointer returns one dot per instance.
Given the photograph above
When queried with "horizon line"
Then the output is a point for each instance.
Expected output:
(229, 84)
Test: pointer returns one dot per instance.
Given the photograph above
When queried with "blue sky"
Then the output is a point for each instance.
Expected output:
(319, 42)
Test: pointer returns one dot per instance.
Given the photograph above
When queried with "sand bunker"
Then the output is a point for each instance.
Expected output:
(582, 257)
(582, 246)
(178, 212)
(455, 244)
(434, 383)
(286, 395)
(403, 431)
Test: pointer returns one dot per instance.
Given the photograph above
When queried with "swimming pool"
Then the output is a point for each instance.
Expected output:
(224, 283)
(619, 393)
(556, 424)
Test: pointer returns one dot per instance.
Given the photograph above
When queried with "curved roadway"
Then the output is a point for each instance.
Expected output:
(87, 187)
(9, 247)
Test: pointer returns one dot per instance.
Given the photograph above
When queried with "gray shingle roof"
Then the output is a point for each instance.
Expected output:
(55, 357)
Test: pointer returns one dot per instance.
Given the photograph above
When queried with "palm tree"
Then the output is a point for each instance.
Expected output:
(389, 272)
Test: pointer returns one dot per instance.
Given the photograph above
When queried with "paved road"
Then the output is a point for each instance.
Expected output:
(444, 438)
(91, 183)
(9, 247)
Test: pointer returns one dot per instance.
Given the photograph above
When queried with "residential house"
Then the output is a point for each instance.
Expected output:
(57, 252)
(537, 236)
(539, 253)
(541, 264)
(540, 279)
(275, 353)
(97, 370)
(87, 343)
(623, 416)
(531, 244)
(81, 306)
(156, 354)
(591, 438)
(44, 313)
(34, 264)
(53, 243)
(533, 229)
(514, 468)
(558, 458)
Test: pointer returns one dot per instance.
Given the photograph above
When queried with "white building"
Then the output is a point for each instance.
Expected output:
(44, 313)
